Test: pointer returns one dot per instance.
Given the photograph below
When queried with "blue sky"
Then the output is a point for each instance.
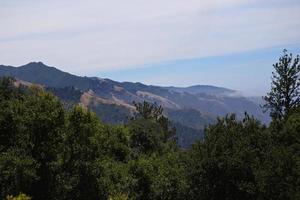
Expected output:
(248, 72)
(169, 42)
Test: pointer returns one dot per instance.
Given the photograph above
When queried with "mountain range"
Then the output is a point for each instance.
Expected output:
(189, 108)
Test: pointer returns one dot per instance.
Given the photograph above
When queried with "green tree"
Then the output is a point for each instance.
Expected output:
(282, 174)
(10, 98)
(78, 176)
(226, 164)
(44, 121)
(115, 178)
(158, 177)
(7, 89)
(146, 136)
(113, 142)
(148, 111)
(154, 112)
(18, 172)
(285, 87)
(113, 155)
(30, 123)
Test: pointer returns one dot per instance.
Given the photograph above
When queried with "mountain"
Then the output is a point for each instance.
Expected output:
(191, 107)
(37, 72)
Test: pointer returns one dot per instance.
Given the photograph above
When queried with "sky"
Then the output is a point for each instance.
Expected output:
(229, 43)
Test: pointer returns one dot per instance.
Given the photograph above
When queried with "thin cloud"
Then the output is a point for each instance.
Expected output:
(92, 36)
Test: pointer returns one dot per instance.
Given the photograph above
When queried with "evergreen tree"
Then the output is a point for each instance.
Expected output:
(285, 87)
(149, 111)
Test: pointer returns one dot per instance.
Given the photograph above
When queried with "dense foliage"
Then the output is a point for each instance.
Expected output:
(48, 152)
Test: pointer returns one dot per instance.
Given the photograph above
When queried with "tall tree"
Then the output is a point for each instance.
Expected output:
(153, 111)
(148, 110)
(285, 87)
(79, 176)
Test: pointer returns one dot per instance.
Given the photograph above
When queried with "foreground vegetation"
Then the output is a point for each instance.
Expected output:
(48, 152)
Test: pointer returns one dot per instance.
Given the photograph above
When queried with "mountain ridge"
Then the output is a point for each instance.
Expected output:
(193, 107)
(170, 97)
(40, 65)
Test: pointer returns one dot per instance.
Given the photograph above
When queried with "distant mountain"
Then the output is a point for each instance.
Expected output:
(191, 107)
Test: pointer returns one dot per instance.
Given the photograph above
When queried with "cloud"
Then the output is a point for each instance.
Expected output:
(92, 36)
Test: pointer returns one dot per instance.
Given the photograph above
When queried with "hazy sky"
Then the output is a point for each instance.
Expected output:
(169, 42)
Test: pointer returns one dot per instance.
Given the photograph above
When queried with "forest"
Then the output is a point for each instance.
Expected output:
(48, 152)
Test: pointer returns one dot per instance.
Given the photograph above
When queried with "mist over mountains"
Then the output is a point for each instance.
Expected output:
(189, 108)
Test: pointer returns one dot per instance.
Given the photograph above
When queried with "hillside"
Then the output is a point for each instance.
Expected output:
(193, 107)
